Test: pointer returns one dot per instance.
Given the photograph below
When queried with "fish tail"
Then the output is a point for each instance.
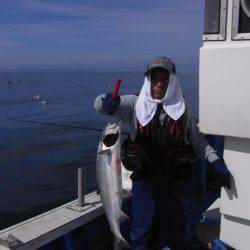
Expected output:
(121, 243)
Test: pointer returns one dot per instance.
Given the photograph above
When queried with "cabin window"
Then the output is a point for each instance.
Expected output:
(241, 20)
(215, 20)
(212, 17)
(244, 17)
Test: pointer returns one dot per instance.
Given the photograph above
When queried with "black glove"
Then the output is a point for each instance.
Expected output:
(221, 168)
(131, 158)
(110, 104)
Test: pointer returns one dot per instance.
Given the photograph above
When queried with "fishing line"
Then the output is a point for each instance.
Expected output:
(62, 125)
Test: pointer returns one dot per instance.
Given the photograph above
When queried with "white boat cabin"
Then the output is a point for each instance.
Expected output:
(224, 107)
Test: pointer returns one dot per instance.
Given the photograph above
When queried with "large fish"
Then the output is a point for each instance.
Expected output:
(109, 178)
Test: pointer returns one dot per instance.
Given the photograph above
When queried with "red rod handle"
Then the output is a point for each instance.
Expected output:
(116, 88)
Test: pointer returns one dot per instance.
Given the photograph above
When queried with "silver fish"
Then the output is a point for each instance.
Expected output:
(109, 178)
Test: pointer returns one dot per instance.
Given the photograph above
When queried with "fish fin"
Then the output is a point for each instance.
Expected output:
(105, 152)
(126, 194)
(123, 217)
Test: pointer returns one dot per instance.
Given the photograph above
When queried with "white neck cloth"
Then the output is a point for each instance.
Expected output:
(173, 102)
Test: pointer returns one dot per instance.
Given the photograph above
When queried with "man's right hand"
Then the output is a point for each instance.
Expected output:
(110, 104)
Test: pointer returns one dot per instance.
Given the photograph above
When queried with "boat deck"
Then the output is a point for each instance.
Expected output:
(60, 222)
(46, 227)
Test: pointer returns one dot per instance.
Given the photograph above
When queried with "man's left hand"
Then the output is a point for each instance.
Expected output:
(221, 168)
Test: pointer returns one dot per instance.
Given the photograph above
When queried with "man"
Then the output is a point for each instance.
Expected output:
(160, 152)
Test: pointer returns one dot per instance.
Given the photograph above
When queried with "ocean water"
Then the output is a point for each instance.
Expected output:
(38, 163)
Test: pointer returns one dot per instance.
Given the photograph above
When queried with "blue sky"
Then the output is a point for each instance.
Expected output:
(98, 35)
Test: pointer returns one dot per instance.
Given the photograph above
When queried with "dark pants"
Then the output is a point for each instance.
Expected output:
(143, 214)
(146, 229)
(175, 213)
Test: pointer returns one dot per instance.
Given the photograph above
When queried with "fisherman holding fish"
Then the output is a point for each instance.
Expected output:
(161, 150)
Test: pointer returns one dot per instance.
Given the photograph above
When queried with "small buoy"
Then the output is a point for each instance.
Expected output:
(36, 96)
(44, 104)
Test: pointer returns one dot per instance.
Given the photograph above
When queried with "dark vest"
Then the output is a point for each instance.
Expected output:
(164, 143)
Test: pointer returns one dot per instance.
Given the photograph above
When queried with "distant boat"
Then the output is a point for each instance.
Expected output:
(10, 82)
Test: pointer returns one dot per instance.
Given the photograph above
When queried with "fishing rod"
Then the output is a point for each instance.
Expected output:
(62, 125)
